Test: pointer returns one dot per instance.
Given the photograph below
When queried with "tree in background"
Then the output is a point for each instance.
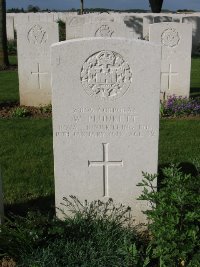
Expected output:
(34, 9)
(82, 7)
(156, 5)
(4, 63)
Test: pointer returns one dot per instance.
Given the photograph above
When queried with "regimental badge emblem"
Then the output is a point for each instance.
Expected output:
(104, 31)
(37, 35)
(170, 38)
(106, 75)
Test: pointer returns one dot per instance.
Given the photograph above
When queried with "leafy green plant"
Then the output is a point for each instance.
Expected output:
(46, 109)
(98, 234)
(174, 219)
(20, 112)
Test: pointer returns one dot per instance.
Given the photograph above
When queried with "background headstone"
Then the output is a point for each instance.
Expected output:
(153, 18)
(176, 41)
(135, 25)
(105, 118)
(92, 25)
(10, 28)
(33, 45)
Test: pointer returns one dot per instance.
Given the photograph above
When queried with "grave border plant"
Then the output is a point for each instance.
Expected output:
(179, 106)
(174, 217)
(99, 234)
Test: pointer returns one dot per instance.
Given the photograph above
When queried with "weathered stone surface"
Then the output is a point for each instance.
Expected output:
(33, 44)
(176, 41)
(105, 118)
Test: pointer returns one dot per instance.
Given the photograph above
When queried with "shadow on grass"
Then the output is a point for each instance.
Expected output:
(195, 92)
(185, 167)
(45, 205)
(8, 104)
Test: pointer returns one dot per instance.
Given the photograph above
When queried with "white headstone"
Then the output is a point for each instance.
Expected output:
(195, 22)
(135, 25)
(33, 44)
(176, 41)
(153, 18)
(91, 25)
(147, 20)
(10, 27)
(159, 19)
(105, 118)
(1, 201)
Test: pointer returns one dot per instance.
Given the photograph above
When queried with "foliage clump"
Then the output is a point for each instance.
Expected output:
(177, 106)
(20, 112)
(99, 234)
(103, 234)
(174, 219)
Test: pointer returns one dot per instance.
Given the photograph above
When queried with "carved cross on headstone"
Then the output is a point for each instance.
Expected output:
(39, 73)
(169, 74)
(105, 164)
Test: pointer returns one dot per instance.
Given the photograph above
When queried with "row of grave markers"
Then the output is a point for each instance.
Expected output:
(105, 103)
(137, 24)
(35, 39)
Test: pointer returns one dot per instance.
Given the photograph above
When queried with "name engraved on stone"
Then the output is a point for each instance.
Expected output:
(39, 73)
(104, 31)
(37, 35)
(106, 75)
(170, 38)
(91, 122)
(169, 74)
(105, 164)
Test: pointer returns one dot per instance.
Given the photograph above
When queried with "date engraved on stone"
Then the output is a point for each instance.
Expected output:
(104, 31)
(106, 75)
(170, 38)
(37, 35)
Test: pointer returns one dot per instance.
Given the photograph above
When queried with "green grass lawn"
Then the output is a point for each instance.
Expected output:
(26, 158)
(13, 60)
(195, 77)
(9, 86)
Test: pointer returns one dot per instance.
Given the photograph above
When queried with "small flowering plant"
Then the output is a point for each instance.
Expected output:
(177, 106)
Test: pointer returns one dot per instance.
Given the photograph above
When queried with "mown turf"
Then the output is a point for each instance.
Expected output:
(195, 77)
(13, 60)
(179, 141)
(9, 91)
(26, 159)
